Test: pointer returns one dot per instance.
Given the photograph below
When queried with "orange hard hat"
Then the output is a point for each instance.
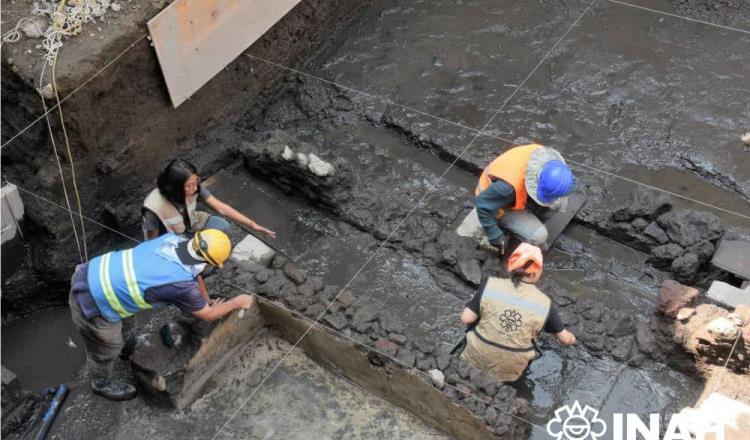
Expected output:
(522, 255)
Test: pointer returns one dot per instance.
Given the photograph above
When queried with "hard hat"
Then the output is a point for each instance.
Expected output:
(547, 178)
(213, 245)
(555, 181)
(524, 253)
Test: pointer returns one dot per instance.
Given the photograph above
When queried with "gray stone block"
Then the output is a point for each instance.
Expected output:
(728, 295)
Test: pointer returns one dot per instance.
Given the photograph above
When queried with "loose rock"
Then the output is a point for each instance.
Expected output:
(673, 296)
(319, 167)
(437, 377)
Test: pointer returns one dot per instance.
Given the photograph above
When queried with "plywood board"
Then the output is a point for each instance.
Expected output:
(195, 40)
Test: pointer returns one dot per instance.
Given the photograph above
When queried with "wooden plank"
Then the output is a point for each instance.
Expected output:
(733, 255)
(195, 40)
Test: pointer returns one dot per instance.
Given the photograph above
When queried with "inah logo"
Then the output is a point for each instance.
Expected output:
(510, 320)
(583, 423)
(576, 423)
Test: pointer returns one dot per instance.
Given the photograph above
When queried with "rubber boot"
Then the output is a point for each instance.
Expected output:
(128, 348)
(113, 389)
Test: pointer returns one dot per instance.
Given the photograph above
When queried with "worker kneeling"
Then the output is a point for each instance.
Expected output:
(108, 290)
(515, 186)
(506, 315)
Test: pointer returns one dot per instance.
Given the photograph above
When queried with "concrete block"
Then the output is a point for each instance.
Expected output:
(252, 249)
(12, 212)
(733, 255)
(728, 295)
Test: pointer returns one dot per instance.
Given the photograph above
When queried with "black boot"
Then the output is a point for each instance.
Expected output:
(128, 348)
(113, 389)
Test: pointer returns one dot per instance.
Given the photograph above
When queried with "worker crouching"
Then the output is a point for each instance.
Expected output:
(519, 183)
(108, 290)
(505, 316)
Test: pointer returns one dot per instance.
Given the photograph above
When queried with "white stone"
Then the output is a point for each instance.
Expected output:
(746, 138)
(35, 27)
(252, 249)
(116, 7)
(438, 379)
(47, 91)
(470, 226)
(718, 410)
(722, 328)
(287, 154)
(302, 160)
(728, 295)
(319, 167)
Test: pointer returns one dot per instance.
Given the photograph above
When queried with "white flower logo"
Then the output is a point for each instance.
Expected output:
(576, 423)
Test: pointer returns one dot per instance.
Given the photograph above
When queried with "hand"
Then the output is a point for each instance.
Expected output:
(216, 301)
(243, 301)
(565, 337)
(267, 232)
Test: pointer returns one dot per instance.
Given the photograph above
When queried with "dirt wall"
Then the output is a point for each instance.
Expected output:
(123, 131)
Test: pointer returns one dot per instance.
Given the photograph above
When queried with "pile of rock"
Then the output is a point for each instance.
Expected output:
(681, 241)
(294, 167)
(387, 340)
(692, 338)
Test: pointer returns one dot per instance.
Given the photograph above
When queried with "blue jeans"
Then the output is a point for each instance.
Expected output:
(217, 222)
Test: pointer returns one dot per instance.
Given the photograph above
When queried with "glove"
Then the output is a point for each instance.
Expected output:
(500, 243)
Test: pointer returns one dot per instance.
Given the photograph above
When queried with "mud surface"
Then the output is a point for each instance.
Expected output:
(625, 92)
(299, 401)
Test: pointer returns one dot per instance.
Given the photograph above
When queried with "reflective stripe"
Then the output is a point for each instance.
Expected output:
(513, 301)
(130, 280)
(109, 292)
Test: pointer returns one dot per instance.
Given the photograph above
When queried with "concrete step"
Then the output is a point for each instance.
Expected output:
(728, 295)
(733, 255)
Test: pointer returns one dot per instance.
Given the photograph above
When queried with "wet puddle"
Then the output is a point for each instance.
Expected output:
(33, 343)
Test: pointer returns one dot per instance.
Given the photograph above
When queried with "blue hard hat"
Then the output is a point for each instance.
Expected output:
(555, 181)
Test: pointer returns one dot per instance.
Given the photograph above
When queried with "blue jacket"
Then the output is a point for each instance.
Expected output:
(117, 280)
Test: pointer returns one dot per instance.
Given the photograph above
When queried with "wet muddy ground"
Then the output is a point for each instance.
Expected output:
(653, 98)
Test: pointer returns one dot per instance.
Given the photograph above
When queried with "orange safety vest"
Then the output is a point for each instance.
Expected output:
(511, 167)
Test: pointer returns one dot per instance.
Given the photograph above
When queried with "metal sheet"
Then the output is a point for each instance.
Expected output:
(194, 40)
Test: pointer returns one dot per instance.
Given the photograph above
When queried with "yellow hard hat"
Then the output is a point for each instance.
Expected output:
(213, 245)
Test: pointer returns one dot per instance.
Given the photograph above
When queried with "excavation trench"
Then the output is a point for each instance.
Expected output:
(625, 119)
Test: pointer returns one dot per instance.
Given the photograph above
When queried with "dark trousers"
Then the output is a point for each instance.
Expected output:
(103, 339)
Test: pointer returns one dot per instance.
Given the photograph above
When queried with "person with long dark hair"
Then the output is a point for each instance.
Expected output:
(171, 206)
(507, 314)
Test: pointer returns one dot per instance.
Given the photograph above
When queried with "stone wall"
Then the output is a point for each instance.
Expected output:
(123, 130)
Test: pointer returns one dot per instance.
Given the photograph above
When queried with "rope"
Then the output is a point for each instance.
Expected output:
(97, 73)
(33, 194)
(403, 220)
(488, 134)
(70, 157)
(281, 305)
(296, 313)
(680, 16)
(59, 166)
